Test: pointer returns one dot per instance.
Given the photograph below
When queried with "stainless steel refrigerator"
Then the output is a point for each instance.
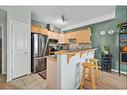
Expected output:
(39, 51)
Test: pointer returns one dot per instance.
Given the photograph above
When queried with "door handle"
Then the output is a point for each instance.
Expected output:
(25, 52)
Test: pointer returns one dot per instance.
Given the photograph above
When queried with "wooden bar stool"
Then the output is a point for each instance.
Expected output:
(95, 61)
(91, 67)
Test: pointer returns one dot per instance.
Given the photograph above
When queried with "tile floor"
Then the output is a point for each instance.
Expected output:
(33, 81)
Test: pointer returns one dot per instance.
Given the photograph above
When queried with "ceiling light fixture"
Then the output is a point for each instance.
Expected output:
(63, 18)
(111, 32)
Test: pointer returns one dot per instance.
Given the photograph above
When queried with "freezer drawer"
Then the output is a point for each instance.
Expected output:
(39, 65)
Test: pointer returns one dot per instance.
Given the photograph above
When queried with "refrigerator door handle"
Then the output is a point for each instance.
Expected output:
(46, 46)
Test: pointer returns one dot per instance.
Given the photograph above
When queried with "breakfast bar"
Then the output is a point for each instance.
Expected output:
(64, 70)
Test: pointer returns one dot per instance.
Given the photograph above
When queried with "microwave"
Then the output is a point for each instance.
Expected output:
(123, 57)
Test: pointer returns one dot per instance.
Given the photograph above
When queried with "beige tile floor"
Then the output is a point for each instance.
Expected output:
(33, 81)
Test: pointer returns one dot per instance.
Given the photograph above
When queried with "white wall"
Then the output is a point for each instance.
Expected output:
(23, 15)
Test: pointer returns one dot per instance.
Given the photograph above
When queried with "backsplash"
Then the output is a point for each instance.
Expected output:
(74, 46)
(85, 46)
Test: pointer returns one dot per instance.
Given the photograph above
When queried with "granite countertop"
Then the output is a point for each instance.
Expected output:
(74, 51)
(52, 57)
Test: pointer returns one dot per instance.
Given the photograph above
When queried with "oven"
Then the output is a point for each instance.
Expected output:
(123, 57)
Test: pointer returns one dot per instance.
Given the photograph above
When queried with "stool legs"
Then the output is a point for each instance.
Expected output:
(93, 79)
(83, 78)
(89, 75)
(97, 73)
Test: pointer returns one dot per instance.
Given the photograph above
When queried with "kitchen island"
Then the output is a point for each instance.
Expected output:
(64, 71)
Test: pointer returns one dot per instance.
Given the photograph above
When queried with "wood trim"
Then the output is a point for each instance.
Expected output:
(68, 57)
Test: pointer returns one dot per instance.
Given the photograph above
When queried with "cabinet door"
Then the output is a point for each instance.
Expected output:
(78, 39)
(50, 35)
(69, 35)
(61, 38)
(55, 35)
(83, 36)
(66, 37)
(73, 35)
(35, 29)
(43, 31)
(87, 35)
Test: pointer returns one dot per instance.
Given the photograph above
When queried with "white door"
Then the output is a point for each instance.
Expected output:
(19, 49)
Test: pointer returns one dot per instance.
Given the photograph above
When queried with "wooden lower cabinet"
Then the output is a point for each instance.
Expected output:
(52, 70)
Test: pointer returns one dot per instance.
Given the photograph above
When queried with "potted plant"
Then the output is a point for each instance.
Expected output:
(106, 50)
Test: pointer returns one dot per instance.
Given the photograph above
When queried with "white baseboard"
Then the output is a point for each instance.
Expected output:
(118, 71)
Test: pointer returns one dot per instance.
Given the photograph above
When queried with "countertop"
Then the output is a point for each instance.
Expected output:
(69, 53)
(74, 51)
(52, 58)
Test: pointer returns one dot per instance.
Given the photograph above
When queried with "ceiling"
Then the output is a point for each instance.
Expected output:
(75, 16)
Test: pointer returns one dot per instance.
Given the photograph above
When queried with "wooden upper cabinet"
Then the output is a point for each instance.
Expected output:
(53, 35)
(37, 29)
(61, 38)
(43, 31)
(73, 35)
(83, 36)
(67, 36)
(78, 39)
(50, 34)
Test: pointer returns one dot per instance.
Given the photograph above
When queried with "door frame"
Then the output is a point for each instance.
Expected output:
(11, 50)
(3, 49)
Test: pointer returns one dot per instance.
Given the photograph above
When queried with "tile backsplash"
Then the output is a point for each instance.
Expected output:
(85, 45)
(74, 46)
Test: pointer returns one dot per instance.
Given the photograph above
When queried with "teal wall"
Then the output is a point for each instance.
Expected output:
(121, 16)
(100, 41)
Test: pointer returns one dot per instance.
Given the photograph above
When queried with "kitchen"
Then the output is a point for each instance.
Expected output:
(55, 52)
(77, 43)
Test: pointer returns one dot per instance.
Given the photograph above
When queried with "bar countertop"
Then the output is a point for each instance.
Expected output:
(74, 51)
